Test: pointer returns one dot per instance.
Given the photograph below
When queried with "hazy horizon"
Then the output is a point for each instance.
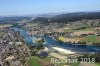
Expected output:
(23, 7)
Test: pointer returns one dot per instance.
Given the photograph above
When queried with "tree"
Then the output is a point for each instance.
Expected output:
(40, 42)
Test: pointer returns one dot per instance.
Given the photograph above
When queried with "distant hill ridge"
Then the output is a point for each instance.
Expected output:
(14, 19)
(69, 17)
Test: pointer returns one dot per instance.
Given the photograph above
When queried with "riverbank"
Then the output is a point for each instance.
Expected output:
(51, 42)
(64, 51)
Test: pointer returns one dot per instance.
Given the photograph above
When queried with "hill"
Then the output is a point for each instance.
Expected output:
(69, 17)
(14, 19)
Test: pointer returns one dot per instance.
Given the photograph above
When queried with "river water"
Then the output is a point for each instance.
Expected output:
(50, 42)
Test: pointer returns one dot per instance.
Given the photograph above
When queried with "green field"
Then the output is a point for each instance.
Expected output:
(97, 64)
(34, 62)
(92, 39)
(74, 64)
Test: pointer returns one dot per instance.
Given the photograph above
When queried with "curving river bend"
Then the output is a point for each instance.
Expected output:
(50, 42)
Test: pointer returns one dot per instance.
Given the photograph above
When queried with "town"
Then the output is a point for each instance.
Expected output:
(49, 32)
(81, 38)
(12, 48)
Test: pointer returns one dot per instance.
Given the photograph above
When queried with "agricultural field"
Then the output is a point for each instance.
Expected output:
(92, 39)
(5, 25)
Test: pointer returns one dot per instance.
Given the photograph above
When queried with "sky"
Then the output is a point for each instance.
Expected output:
(25, 7)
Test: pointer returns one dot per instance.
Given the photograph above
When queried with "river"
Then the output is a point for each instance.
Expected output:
(50, 42)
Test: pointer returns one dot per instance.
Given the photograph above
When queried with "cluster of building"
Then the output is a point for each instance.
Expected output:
(42, 29)
(60, 29)
(11, 47)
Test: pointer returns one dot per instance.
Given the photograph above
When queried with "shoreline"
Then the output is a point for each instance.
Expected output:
(65, 51)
